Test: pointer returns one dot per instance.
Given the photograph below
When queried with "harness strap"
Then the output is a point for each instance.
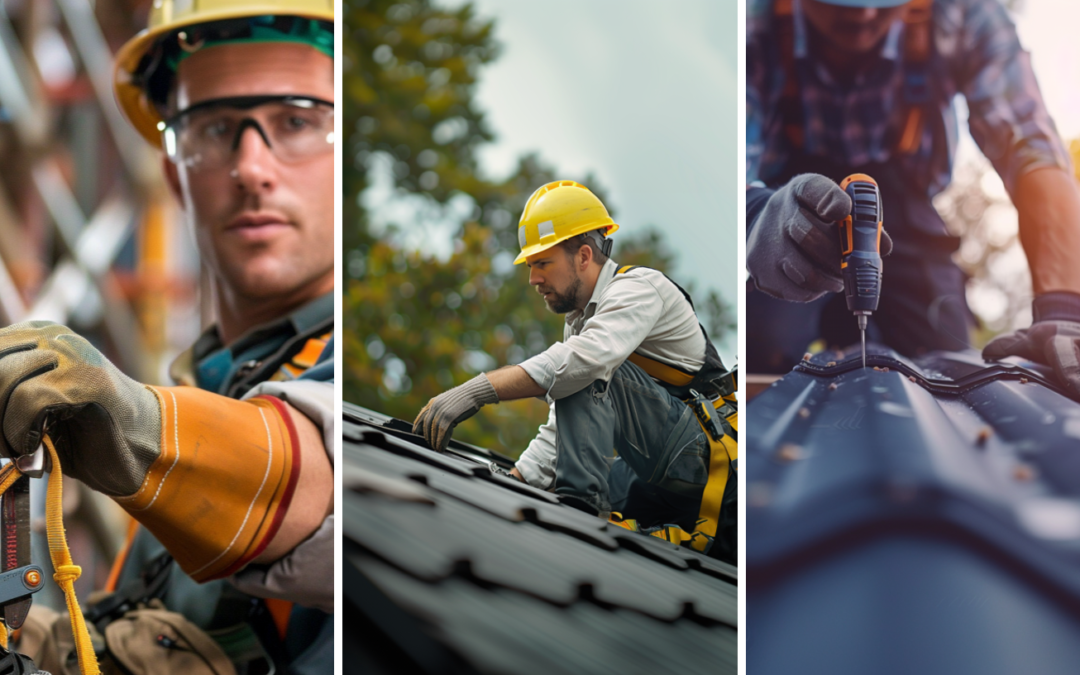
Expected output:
(722, 453)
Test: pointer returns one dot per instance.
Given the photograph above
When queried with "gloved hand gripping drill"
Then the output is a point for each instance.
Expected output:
(793, 250)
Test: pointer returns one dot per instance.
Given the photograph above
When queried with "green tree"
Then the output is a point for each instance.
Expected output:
(413, 325)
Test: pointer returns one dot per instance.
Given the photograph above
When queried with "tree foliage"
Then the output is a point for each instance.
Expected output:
(415, 326)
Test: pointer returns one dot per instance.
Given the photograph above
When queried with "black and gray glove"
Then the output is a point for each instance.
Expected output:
(793, 251)
(437, 420)
(1052, 340)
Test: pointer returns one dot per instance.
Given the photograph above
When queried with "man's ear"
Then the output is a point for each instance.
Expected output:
(172, 179)
(585, 256)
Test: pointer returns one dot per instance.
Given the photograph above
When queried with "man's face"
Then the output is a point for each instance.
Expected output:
(264, 227)
(856, 30)
(556, 278)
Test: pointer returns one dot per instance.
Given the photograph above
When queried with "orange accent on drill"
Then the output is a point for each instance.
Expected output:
(860, 254)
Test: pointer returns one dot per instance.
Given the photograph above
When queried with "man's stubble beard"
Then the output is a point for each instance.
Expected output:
(561, 303)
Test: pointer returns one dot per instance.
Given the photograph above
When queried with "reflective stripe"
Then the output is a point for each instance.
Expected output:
(545, 230)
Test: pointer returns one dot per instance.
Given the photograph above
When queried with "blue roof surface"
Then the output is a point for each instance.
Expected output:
(913, 516)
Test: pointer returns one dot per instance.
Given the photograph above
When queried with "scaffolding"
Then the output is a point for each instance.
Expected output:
(89, 234)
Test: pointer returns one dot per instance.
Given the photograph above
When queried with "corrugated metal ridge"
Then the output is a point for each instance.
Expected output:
(819, 366)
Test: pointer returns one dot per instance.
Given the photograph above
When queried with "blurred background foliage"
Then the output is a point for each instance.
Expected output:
(417, 325)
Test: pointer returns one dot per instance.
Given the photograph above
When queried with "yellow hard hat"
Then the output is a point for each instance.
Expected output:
(556, 212)
(167, 16)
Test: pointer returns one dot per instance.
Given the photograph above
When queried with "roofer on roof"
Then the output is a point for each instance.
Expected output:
(618, 320)
(239, 96)
(836, 87)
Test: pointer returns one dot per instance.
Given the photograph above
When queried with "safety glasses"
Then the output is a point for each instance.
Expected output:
(206, 135)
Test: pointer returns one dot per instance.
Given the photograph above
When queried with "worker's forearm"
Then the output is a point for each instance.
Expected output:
(314, 496)
(1048, 202)
(512, 382)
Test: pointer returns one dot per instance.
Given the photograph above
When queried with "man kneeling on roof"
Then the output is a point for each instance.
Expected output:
(619, 436)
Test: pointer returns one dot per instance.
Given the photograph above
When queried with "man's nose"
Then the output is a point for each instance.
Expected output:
(255, 162)
(534, 277)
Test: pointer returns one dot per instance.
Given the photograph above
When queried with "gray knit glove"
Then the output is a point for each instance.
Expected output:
(437, 420)
(1051, 343)
(793, 251)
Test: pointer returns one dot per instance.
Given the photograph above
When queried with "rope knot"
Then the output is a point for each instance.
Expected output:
(67, 573)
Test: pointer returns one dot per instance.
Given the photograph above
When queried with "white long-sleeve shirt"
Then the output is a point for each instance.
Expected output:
(638, 311)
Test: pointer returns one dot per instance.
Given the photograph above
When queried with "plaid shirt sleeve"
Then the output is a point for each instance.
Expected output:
(1007, 116)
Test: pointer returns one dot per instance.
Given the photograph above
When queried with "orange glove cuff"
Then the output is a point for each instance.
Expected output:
(218, 492)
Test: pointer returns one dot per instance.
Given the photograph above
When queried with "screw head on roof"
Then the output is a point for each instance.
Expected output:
(1025, 473)
(789, 452)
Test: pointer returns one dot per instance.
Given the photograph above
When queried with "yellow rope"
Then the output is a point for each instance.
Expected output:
(66, 571)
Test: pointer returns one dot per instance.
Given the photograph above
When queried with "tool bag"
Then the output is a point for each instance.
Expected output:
(147, 640)
(711, 392)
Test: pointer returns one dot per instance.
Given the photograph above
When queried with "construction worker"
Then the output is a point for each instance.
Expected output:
(836, 87)
(231, 474)
(619, 322)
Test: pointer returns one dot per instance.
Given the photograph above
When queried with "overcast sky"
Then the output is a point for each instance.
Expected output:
(643, 94)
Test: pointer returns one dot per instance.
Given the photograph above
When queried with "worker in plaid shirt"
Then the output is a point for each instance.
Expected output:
(836, 87)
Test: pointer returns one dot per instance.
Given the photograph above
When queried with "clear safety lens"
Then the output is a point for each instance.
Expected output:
(207, 135)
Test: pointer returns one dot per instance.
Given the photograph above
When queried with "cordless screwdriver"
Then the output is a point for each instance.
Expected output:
(860, 249)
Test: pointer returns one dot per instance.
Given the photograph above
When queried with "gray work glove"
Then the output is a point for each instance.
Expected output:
(437, 420)
(793, 252)
(106, 426)
(1054, 343)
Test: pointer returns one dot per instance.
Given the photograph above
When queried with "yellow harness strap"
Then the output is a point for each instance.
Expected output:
(66, 571)
(721, 453)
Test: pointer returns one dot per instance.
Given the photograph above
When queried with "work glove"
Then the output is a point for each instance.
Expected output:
(106, 427)
(209, 476)
(1052, 340)
(793, 251)
(437, 420)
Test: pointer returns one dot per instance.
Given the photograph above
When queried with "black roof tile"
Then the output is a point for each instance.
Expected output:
(509, 580)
